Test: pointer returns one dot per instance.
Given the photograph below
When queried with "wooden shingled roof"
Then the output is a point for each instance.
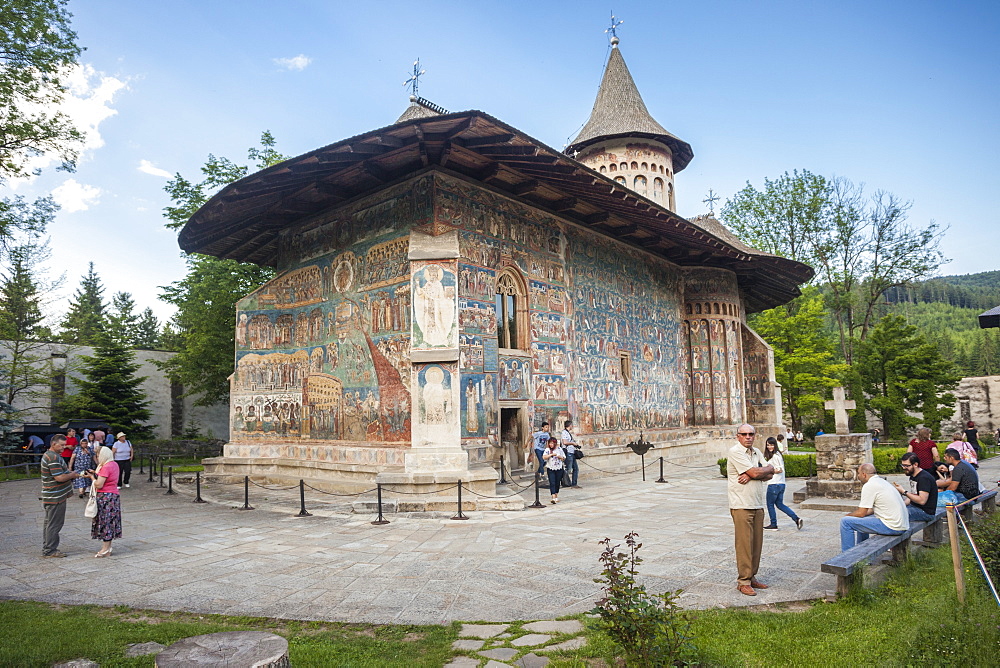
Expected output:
(242, 221)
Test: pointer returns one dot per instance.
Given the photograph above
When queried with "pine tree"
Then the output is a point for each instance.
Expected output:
(111, 391)
(25, 368)
(147, 331)
(122, 320)
(85, 318)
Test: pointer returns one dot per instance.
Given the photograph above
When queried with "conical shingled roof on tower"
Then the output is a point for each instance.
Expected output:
(620, 112)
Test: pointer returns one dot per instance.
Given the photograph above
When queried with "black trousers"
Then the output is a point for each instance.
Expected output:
(125, 468)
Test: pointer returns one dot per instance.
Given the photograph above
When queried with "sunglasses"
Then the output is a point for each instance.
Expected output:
(742, 433)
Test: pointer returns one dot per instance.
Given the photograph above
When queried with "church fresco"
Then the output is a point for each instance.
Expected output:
(479, 407)
(618, 307)
(323, 349)
(758, 388)
(434, 291)
(514, 378)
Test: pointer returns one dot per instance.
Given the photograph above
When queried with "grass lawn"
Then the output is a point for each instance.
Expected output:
(912, 620)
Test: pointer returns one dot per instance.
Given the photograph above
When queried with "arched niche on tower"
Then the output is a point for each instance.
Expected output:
(635, 162)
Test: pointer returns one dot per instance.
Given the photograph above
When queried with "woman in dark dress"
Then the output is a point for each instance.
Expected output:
(972, 436)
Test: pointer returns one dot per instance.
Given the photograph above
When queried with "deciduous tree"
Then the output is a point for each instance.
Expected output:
(206, 298)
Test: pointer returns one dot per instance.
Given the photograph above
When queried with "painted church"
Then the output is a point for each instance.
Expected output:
(447, 283)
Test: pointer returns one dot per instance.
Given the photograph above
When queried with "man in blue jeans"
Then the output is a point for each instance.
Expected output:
(539, 441)
(881, 511)
(921, 498)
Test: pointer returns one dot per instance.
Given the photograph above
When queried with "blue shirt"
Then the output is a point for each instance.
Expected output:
(541, 439)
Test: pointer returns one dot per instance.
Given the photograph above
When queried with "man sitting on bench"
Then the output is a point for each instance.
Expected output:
(878, 498)
(921, 498)
(964, 479)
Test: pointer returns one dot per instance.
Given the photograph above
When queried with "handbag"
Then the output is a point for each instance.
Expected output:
(579, 453)
(91, 509)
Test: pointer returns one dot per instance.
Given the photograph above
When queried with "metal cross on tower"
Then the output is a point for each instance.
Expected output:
(711, 200)
(414, 80)
(613, 30)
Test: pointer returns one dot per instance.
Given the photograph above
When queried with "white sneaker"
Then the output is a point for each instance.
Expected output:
(127, 485)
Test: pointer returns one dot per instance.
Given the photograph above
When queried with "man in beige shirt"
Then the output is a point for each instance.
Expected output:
(748, 474)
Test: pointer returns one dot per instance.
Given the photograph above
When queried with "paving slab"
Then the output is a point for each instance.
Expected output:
(532, 661)
(500, 653)
(468, 644)
(482, 630)
(566, 626)
(571, 644)
(337, 566)
(531, 640)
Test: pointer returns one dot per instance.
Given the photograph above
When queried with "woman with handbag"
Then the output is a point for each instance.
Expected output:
(107, 524)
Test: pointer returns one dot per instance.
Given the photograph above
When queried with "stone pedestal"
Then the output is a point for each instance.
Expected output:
(838, 457)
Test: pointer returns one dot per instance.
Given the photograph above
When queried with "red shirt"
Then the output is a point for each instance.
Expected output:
(71, 442)
(923, 451)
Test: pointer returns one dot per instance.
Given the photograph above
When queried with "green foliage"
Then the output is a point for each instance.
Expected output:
(146, 334)
(804, 363)
(204, 328)
(986, 534)
(886, 460)
(901, 371)
(22, 221)
(84, 320)
(860, 245)
(37, 47)
(796, 466)
(651, 629)
(111, 391)
(26, 367)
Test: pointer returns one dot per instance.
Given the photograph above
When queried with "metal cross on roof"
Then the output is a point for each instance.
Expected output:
(711, 200)
(613, 30)
(414, 80)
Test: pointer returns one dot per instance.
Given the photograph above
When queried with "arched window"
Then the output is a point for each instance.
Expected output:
(612, 167)
(624, 166)
(635, 165)
(620, 179)
(512, 311)
(604, 169)
(658, 189)
(652, 166)
(640, 185)
(670, 196)
(661, 169)
(645, 167)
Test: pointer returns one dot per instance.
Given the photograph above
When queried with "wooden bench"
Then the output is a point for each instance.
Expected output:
(847, 565)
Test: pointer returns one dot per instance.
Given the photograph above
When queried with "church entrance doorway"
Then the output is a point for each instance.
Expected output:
(513, 433)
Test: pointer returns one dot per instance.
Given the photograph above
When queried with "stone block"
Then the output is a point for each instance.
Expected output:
(531, 640)
(482, 630)
(500, 653)
(566, 626)
(532, 661)
(144, 649)
(468, 644)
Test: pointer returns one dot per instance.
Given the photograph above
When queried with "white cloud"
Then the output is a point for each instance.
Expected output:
(146, 167)
(297, 64)
(74, 196)
(87, 103)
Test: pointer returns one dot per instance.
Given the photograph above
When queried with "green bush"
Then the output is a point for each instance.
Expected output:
(986, 534)
(886, 460)
(796, 466)
(651, 629)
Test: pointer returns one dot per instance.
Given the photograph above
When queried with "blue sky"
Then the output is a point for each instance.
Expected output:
(900, 96)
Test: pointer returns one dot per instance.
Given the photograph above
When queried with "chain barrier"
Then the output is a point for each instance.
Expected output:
(612, 472)
(273, 489)
(487, 496)
(336, 494)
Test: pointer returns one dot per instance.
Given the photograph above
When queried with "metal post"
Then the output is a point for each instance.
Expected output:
(460, 516)
(141, 459)
(956, 552)
(537, 503)
(152, 467)
(197, 488)
(170, 487)
(378, 492)
(503, 477)
(246, 494)
(161, 475)
(662, 479)
(302, 500)
(643, 460)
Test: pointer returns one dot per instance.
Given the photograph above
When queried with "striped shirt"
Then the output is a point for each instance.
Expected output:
(54, 492)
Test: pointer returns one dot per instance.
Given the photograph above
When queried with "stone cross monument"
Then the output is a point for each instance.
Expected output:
(840, 405)
(839, 455)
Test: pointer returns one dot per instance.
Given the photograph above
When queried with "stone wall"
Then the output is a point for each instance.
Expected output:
(978, 400)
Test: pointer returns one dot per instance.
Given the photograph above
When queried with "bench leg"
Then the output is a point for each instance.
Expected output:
(967, 514)
(934, 533)
(901, 552)
(990, 505)
(847, 583)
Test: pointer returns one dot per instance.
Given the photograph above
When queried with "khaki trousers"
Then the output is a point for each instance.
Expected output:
(749, 530)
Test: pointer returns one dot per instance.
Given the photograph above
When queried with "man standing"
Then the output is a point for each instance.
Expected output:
(36, 446)
(56, 488)
(572, 465)
(964, 479)
(921, 498)
(748, 475)
(539, 441)
(881, 511)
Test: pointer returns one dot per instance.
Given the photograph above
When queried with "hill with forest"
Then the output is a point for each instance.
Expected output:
(945, 309)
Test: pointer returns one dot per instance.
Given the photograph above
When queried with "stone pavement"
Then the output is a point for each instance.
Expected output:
(336, 566)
